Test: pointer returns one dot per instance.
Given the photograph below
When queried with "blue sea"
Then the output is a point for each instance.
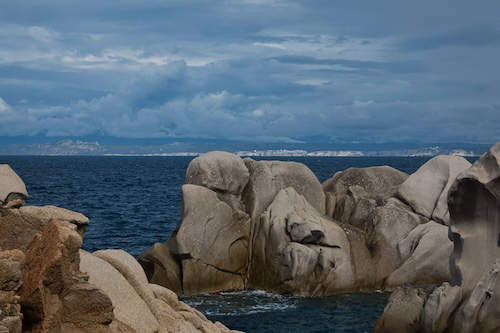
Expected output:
(133, 202)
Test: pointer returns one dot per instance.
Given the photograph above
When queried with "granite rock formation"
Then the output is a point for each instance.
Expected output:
(272, 225)
(471, 301)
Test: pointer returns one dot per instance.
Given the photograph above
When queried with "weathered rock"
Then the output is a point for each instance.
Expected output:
(222, 172)
(390, 223)
(11, 263)
(12, 189)
(425, 252)
(315, 260)
(352, 194)
(403, 312)
(426, 190)
(481, 311)
(129, 308)
(212, 242)
(180, 317)
(474, 203)
(439, 307)
(55, 295)
(19, 226)
(161, 267)
(43, 215)
(267, 178)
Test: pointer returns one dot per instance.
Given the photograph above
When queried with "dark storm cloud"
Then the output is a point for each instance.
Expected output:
(259, 69)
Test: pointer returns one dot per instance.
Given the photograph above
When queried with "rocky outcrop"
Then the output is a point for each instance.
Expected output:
(352, 194)
(161, 267)
(267, 178)
(11, 263)
(13, 192)
(471, 303)
(55, 296)
(42, 215)
(46, 285)
(19, 226)
(424, 252)
(262, 224)
(296, 250)
(212, 242)
(426, 191)
(137, 305)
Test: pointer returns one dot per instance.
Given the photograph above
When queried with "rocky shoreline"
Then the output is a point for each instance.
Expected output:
(49, 284)
(273, 226)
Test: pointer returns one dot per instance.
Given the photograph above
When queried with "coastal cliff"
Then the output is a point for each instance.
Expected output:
(48, 284)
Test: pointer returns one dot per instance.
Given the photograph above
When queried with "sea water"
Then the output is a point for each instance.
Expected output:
(133, 202)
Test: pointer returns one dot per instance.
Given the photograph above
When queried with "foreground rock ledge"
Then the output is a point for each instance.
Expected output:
(48, 284)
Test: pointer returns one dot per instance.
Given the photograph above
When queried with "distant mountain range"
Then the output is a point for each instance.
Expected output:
(196, 147)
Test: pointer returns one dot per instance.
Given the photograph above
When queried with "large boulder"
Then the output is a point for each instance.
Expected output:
(19, 226)
(471, 303)
(267, 178)
(481, 310)
(161, 267)
(426, 190)
(352, 194)
(425, 253)
(388, 225)
(12, 189)
(55, 295)
(222, 172)
(296, 250)
(403, 312)
(44, 214)
(474, 203)
(129, 309)
(212, 242)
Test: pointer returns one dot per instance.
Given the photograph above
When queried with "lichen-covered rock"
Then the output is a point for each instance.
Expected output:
(426, 190)
(425, 254)
(12, 189)
(267, 178)
(297, 250)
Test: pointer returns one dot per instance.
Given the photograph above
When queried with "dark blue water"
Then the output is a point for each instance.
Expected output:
(133, 202)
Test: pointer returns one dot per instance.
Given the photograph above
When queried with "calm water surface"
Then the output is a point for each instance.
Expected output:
(134, 202)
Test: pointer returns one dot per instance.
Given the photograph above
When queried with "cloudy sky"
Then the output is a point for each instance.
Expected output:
(268, 70)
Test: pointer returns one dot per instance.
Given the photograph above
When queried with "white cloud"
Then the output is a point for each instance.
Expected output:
(4, 107)
(271, 45)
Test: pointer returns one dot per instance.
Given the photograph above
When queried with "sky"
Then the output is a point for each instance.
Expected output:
(251, 70)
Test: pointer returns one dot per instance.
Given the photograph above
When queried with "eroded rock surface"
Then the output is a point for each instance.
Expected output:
(13, 192)
(471, 303)
(426, 191)
(267, 178)
(55, 295)
(302, 252)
